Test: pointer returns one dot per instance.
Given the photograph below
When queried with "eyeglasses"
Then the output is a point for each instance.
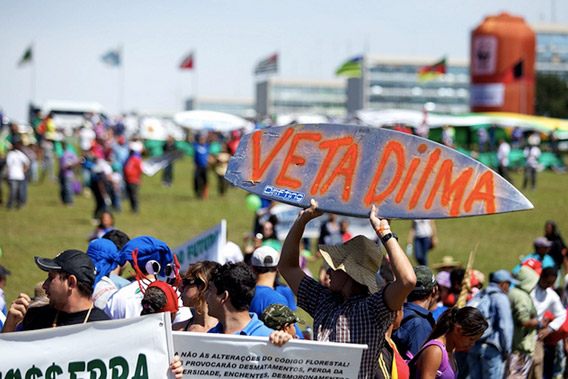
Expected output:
(191, 282)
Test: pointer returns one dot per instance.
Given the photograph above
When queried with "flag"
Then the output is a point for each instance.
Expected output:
(515, 72)
(426, 73)
(112, 58)
(27, 57)
(351, 68)
(187, 63)
(267, 65)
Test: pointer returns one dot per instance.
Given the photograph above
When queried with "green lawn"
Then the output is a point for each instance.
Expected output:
(44, 227)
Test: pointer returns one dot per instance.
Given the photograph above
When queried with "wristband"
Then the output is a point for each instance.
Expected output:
(388, 236)
(382, 230)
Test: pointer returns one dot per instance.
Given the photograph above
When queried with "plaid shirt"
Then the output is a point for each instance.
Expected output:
(361, 319)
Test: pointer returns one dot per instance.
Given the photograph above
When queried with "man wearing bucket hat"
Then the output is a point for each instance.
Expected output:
(69, 287)
(353, 309)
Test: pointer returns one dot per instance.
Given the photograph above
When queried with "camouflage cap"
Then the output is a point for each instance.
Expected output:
(275, 316)
(425, 279)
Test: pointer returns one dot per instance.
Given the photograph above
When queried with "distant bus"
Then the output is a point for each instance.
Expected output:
(69, 115)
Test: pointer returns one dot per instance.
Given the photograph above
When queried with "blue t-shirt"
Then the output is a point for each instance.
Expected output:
(254, 328)
(289, 295)
(547, 261)
(201, 157)
(263, 297)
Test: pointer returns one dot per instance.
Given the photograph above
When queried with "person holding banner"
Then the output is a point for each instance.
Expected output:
(69, 287)
(353, 309)
(230, 293)
(195, 286)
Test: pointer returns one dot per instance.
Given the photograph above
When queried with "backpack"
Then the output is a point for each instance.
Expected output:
(482, 301)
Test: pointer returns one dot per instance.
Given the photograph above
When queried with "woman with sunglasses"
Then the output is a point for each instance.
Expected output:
(195, 285)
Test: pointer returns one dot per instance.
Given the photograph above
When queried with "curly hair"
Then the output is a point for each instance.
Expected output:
(201, 272)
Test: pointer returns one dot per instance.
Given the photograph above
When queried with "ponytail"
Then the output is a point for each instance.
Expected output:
(470, 319)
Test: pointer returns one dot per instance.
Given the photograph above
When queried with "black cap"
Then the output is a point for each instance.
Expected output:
(74, 262)
(3, 272)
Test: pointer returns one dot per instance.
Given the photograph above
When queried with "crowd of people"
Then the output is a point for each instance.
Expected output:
(416, 322)
(102, 161)
(410, 318)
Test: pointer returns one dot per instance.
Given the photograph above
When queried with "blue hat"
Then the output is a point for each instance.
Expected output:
(149, 249)
(503, 276)
(105, 256)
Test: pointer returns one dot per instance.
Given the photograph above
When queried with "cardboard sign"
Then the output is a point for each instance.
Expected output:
(206, 355)
(347, 168)
(139, 347)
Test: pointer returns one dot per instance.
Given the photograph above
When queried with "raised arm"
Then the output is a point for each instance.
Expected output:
(405, 279)
(16, 313)
(289, 264)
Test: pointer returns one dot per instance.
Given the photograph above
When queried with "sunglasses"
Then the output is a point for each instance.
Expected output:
(191, 282)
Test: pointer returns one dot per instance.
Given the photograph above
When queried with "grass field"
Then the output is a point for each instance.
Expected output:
(44, 227)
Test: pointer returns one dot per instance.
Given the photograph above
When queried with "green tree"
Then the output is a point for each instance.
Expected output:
(551, 96)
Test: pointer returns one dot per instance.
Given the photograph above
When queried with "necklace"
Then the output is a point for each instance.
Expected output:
(84, 321)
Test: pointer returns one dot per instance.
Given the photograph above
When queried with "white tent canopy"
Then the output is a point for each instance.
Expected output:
(211, 120)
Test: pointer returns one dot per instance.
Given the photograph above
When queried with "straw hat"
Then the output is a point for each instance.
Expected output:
(447, 262)
(359, 257)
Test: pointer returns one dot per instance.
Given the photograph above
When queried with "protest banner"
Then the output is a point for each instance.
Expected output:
(287, 214)
(348, 168)
(206, 246)
(134, 348)
(206, 355)
(155, 164)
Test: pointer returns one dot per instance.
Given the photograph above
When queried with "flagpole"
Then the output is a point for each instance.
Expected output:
(33, 76)
(121, 80)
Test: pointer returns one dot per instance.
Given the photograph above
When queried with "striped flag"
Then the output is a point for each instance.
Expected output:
(351, 68)
(112, 57)
(27, 57)
(267, 65)
(432, 72)
(187, 63)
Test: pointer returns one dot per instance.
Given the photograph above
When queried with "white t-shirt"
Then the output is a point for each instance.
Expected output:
(86, 137)
(103, 290)
(422, 229)
(15, 162)
(503, 154)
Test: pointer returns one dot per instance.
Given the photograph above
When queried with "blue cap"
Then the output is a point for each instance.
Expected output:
(503, 276)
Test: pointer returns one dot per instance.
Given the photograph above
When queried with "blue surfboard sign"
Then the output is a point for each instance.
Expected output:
(347, 168)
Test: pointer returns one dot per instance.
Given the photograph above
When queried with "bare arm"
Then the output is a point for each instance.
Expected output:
(405, 279)
(429, 362)
(289, 264)
(16, 313)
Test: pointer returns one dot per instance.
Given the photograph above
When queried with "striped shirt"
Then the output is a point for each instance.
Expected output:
(362, 319)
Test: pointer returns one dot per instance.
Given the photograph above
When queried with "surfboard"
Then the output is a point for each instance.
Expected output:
(347, 168)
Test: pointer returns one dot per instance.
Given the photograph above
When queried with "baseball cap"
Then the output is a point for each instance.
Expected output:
(4, 271)
(503, 276)
(265, 256)
(542, 242)
(275, 316)
(425, 279)
(74, 262)
(533, 263)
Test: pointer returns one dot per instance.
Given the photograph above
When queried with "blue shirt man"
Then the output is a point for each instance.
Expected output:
(541, 247)
(417, 322)
(230, 292)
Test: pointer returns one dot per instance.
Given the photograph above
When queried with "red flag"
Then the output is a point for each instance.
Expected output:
(187, 63)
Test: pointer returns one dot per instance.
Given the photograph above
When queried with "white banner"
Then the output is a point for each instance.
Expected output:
(206, 246)
(287, 214)
(218, 355)
(139, 347)
(487, 95)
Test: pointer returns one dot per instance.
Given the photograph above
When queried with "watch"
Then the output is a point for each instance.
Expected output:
(387, 237)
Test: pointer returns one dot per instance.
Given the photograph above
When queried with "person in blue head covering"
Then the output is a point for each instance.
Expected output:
(106, 258)
(154, 257)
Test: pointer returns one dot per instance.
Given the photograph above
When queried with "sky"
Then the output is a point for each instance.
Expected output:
(312, 37)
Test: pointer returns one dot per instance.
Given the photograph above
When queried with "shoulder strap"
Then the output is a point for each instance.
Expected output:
(417, 315)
